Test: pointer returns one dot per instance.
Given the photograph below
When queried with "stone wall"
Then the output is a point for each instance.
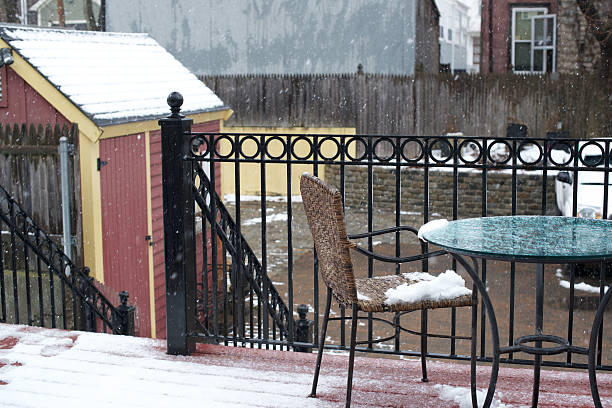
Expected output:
(577, 49)
(499, 191)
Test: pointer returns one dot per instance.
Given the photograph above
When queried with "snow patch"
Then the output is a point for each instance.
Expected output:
(431, 226)
(585, 287)
(361, 296)
(269, 218)
(447, 285)
(418, 276)
(463, 397)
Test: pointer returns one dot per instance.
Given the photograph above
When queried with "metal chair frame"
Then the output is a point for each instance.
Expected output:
(313, 181)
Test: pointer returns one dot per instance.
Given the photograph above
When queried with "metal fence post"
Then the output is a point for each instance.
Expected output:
(64, 151)
(179, 229)
(123, 323)
(88, 316)
(303, 330)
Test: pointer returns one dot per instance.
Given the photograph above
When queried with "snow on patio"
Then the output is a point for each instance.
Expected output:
(56, 368)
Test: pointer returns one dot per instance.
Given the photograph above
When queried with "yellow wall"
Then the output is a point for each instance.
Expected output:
(276, 174)
(91, 207)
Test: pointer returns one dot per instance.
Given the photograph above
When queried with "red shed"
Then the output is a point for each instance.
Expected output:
(114, 85)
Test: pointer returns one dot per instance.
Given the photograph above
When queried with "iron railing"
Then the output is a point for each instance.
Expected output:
(40, 286)
(244, 272)
(425, 177)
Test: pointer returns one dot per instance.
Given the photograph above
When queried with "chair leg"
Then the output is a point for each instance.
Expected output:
(349, 381)
(424, 345)
(315, 381)
(473, 348)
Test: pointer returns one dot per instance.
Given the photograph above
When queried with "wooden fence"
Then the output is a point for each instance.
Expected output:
(30, 172)
(421, 105)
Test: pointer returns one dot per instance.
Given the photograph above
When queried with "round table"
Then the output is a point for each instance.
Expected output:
(532, 239)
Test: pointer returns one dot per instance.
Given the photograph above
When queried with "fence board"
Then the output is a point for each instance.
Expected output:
(30, 172)
(421, 105)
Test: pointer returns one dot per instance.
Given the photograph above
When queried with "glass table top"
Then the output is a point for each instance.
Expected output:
(527, 238)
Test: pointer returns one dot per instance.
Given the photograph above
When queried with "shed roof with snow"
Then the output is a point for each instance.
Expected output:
(112, 78)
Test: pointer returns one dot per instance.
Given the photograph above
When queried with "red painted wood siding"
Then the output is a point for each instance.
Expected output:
(23, 104)
(124, 222)
(158, 224)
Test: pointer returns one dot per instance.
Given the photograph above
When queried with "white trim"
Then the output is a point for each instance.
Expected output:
(41, 3)
(512, 32)
(69, 21)
(546, 19)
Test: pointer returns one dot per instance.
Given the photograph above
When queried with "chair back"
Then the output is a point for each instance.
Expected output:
(323, 207)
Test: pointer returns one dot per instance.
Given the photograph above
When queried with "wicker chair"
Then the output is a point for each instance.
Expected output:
(323, 207)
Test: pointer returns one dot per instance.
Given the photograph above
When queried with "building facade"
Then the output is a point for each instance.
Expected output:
(531, 37)
(518, 36)
(454, 38)
(288, 36)
(43, 13)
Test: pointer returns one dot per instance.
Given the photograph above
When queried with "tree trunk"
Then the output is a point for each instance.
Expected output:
(89, 15)
(102, 16)
(61, 17)
(11, 11)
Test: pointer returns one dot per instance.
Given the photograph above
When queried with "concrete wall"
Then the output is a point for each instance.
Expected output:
(281, 36)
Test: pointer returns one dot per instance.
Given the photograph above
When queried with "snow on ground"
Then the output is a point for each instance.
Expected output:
(269, 218)
(57, 368)
(54, 368)
(582, 286)
(463, 397)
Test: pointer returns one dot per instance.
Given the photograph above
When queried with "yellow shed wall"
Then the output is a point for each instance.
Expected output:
(276, 174)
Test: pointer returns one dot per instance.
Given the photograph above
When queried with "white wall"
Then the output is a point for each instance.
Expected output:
(457, 16)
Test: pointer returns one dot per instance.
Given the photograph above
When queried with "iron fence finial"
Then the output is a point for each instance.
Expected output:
(175, 101)
(123, 297)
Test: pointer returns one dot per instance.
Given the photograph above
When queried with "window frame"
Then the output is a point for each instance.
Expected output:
(544, 48)
(513, 42)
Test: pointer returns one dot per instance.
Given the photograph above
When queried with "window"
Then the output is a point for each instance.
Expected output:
(533, 40)
(450, 35)
(441, 32)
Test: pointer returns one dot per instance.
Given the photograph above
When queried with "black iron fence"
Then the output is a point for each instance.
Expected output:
(256, 261)
(41, 286)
